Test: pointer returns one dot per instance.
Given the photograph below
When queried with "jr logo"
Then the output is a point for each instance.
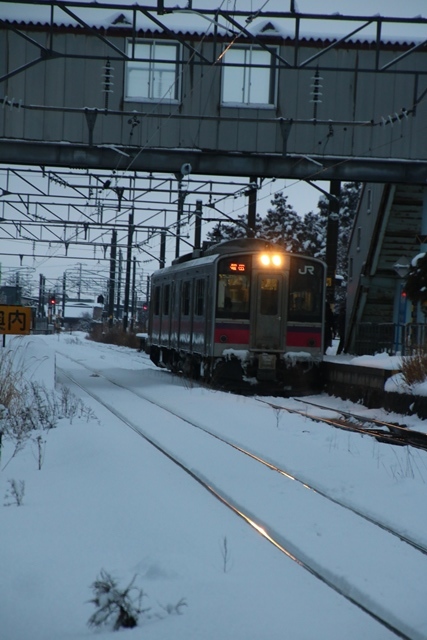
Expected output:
(307, 269)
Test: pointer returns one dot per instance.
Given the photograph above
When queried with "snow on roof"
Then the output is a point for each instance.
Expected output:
(190, 22)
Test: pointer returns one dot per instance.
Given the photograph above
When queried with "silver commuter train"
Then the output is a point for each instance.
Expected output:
(242, 310)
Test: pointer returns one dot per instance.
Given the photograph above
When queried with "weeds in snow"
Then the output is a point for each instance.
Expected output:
(119, 607)
(28, 408)
(175, 608)
(406, 466)
(414, 367)
(278, 412)
(15, 493)
(122, 608)
(225, 553)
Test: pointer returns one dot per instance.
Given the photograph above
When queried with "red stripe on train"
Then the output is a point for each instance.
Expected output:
(231, 334)
(304, 337)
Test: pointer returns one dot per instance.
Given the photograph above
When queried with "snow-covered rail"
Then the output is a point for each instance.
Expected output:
(385, 431)
(294, 534)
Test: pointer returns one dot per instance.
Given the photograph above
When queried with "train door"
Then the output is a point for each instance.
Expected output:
(268, 325)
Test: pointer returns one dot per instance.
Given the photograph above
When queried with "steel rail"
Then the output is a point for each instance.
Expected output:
(261, 528)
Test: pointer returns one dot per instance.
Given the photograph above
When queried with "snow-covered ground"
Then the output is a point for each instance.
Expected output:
(105, 499)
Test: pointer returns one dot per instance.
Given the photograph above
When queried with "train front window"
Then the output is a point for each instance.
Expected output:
(233, 288)
(269, 303)
(305, 290)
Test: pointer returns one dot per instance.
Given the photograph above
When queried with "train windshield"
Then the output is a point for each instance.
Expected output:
(234, 279)
(269, 302)
(305, 290)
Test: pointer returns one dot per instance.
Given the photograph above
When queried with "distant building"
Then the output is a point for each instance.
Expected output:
(10, 294)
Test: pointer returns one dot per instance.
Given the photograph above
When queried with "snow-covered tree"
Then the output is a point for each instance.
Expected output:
(307, 235)
(313, 241)
(237, 229)
(283, 225)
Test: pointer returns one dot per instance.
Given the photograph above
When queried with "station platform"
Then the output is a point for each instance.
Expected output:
(374, 381)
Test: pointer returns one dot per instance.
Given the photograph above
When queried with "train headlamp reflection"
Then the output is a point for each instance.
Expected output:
(271, 259)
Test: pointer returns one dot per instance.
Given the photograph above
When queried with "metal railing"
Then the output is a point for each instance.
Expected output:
(391, 338)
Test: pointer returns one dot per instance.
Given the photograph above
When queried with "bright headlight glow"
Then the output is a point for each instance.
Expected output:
(271, 259)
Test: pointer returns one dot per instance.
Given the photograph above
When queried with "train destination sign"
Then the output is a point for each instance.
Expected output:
(15, 320)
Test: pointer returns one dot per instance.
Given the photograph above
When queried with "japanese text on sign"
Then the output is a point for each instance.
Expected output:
(15, 320)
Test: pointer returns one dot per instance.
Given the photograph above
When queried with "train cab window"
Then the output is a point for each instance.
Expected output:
(305, 290)
(199, 298)
(233, 288)
(269, 302)
(185, 298)
(156, 301)
(166, 299)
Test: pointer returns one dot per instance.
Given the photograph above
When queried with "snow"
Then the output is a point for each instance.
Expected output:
(182, 20)
(395, 383)
(105, 498)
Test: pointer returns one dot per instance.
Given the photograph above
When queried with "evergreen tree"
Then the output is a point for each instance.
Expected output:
(283, 225)
(307, 235)
(314, 238)
(238, 229)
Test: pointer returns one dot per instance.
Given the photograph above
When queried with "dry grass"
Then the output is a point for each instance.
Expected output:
(114, 335)
(414, 368)
(10, 380)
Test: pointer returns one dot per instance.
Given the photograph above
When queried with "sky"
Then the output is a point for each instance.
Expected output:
(303, 197)
(106, 499)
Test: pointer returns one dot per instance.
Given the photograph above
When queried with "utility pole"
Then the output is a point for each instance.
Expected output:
(79, 286)
(181, 198)
(332, 239)
(42, 285)
(162, 260)
(128, 270)
(251, 193)
(133, 305)
(112, 280)
(64, 287)
(198, 227)
(119, 284)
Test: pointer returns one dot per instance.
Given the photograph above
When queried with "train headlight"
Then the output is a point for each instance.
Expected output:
(271, 259)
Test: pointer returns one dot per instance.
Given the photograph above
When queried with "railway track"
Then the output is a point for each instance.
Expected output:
(384, 431)
(269, 531)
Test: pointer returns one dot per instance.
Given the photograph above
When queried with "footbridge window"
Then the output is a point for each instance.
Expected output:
(248, 77)
(152, 74)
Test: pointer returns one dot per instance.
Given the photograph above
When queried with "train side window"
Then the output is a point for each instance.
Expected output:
(185, 298)
(166, 299)
(199, 298)
(269, 302)
(156, 305)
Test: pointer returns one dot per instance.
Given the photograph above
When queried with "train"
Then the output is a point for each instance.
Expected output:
(242, 312)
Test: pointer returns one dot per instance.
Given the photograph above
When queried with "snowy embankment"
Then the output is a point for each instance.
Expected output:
(105, 499)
